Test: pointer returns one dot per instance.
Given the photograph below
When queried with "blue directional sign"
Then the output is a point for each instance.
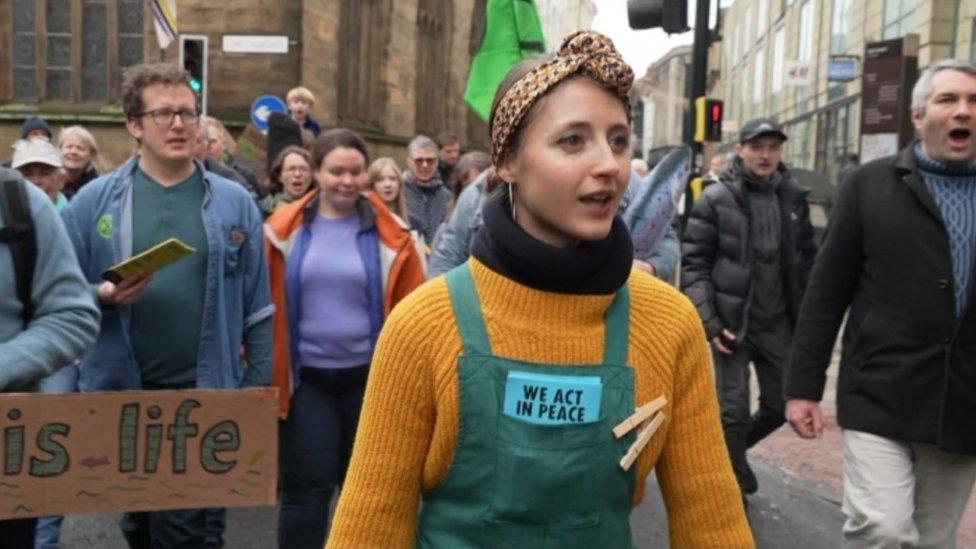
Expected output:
(262, 108)
(841, 69)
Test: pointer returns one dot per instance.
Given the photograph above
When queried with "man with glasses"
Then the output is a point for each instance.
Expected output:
(184, 326)
(427, 196)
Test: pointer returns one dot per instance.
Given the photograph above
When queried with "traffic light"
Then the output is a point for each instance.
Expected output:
(708, 119)
(193, 59)
(670, 15)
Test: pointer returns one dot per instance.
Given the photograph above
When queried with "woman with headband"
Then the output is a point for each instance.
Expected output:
(522, 399)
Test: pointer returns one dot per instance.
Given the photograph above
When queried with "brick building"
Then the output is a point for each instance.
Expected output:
(389, 69)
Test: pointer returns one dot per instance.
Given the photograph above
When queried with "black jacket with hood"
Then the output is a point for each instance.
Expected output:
(716, 250)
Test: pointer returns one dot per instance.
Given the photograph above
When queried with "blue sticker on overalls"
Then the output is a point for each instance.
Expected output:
(553, 400)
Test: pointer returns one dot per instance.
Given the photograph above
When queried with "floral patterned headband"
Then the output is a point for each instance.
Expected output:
(586, 52)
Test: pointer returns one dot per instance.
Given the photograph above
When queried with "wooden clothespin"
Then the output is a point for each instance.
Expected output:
(640, 416)
(643, 436)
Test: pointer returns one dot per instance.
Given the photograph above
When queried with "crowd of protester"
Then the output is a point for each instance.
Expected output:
(327, 284)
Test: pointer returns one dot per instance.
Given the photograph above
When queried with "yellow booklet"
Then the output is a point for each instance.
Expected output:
(149, 261)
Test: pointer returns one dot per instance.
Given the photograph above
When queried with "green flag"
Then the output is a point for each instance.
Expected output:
(513, 32)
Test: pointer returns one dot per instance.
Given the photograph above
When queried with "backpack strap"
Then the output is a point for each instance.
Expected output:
(18, 233)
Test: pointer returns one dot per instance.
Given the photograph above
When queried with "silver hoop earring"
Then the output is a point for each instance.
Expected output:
(511, 199)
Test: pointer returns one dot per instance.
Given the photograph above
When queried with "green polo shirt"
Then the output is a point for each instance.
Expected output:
(167, 317)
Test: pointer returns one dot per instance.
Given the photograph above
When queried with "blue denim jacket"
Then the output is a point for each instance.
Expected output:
(99, 222)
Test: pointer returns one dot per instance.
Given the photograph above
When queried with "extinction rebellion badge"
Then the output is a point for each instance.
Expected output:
(105, 225)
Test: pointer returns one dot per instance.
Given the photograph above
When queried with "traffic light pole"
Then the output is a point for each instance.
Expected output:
(699, 68)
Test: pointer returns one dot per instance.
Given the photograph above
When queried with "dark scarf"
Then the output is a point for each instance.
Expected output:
(598, 267)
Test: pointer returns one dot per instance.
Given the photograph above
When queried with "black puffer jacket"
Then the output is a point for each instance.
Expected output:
(716, 250)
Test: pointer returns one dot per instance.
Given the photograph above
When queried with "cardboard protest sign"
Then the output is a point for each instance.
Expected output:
(137, 451)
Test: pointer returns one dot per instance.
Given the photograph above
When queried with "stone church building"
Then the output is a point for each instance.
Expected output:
(387, 68)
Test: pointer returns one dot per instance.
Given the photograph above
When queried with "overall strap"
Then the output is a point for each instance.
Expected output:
(617, 329)
(19, 235)
(467, 311)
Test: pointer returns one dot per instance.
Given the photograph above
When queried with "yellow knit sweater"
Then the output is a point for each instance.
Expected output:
(408, 429)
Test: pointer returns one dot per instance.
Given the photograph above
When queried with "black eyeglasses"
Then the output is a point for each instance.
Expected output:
(164, 117)
(424, 160)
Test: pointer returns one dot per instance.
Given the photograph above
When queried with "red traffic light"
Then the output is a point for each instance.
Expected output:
(716, 112)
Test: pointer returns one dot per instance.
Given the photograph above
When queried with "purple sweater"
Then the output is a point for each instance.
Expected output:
(333, 320)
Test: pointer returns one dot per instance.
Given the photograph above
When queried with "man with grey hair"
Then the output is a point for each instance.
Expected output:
(201, 151)
(899, 253)
(427, 196)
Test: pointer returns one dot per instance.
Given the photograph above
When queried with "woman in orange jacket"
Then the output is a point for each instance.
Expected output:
(339, 263)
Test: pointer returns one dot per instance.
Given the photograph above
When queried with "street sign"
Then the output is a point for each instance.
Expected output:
(890, 69)
(841, 69)
(262, 108)
(254, 43)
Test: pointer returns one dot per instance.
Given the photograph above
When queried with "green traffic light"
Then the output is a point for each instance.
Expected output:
(196, 84)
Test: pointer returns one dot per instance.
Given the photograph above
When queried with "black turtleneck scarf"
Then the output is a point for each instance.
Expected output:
(592, 267)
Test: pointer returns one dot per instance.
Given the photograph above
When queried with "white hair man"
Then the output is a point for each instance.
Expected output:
(899, 253)
(427, 195)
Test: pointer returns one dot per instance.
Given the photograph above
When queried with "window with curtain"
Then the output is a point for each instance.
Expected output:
(899, 17)
(840, 26)
(70, 50)
(805, 50)
(434, 22)
(779, 44)
(972, 41)
(747, 38)
(759, 82)
(363, 36)
(763, 21)
(477, 128)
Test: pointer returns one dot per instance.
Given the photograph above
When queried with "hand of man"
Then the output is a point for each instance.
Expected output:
(125, 292)
(719, 345)
(805, 417)
(645, 266)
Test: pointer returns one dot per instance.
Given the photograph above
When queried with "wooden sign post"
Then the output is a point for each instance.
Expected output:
(137, 451)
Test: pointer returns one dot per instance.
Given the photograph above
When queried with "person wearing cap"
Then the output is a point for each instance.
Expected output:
(500, 408)
(747, 251)
(40, 163)
(896, 269)
(35, 126)
(49, 326)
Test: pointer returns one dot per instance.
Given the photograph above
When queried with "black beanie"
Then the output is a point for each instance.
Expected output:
(35, 123)
(282, 132)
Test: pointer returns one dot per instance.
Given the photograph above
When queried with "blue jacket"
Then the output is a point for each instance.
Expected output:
(65, 320)
(99, 222)
(313, 125)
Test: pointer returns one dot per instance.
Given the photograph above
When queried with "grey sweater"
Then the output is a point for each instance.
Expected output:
(426, 203)
(65, 321)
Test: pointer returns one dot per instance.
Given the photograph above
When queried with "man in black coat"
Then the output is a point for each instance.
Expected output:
(899, 253)
(746, 254)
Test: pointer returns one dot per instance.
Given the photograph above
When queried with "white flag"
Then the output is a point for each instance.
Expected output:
(164, 17)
